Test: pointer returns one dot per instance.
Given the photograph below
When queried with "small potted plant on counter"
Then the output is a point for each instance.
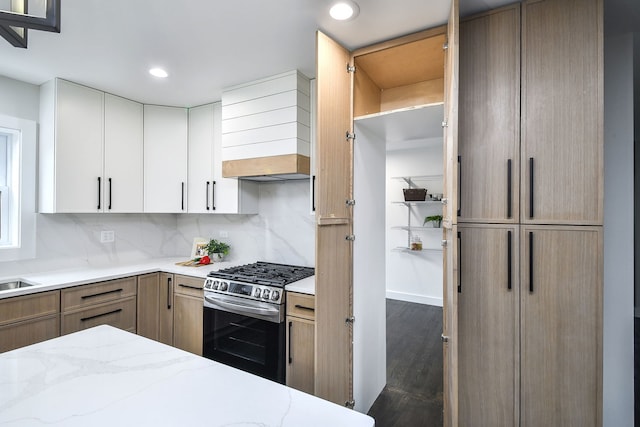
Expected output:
(217, 250)
(435, 219)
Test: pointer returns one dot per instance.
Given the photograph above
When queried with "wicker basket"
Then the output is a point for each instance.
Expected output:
(415, 194)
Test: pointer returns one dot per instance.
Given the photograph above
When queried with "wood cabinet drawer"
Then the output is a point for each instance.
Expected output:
(301, 305)
(121, 314)
(29, 332)
(26, 307)
(188, 285)
(86, 295)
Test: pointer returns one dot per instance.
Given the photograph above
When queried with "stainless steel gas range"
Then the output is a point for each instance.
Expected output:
(244, 313)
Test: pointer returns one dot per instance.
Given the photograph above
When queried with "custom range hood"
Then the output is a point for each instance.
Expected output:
(266, 128)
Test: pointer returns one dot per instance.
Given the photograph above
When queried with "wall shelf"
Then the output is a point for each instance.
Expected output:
(408, 250)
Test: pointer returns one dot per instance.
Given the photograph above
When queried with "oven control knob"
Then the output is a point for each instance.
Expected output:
(257, 292)
(215, 285)
(275, 295)
(266, 293)
(223, 286)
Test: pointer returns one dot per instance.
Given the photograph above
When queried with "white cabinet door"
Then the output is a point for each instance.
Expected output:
(71, 148)
(208, 191)
(201, 130)
(165, 159)
(122, 181)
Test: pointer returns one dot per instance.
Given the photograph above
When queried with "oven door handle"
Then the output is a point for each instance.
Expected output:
(242, 308)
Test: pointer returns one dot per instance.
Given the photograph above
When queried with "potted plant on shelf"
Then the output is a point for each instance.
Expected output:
(217, 250)
(435, 219)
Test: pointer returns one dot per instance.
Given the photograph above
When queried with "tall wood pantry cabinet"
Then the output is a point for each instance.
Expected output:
(411, 72)
(530, 215)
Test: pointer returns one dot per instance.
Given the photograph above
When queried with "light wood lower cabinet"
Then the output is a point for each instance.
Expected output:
(111, 302)
(561, 326)
(187, 314)
(28, 319)
(488, 318)
(301, 342)
(530, 325)
(155, 307)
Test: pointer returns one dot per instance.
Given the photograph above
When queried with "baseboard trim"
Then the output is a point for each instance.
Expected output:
(420, 299)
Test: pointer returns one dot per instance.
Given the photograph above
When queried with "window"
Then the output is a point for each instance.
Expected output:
(9, 188)
(17, 189)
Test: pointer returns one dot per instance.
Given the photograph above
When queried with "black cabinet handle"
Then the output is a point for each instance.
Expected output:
(509, 190)
(459, 185)
(459, 262)
(213, 196)
(99, 191)
(302, 307)
(182, 203)
(290, 356)
(110, 193)
(113, 291)
(207, 194)
(531, 261)
(313, 193)
(187, 286)
(530, 187)
(84, 319)
(169, 293)
(509, 260)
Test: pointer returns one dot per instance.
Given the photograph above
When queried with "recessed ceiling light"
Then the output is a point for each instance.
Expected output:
(344, 10)
(158, 72)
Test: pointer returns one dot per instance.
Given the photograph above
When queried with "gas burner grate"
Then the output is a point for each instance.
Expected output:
(265, 273)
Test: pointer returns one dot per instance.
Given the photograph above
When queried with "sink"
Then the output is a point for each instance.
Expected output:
(14, 284)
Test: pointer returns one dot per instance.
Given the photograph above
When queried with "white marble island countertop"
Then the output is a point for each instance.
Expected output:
(107, 377)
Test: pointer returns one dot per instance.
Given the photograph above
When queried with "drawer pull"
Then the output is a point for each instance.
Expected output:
(302, 307)
(190, 287)
(84, 319)
(113, 291)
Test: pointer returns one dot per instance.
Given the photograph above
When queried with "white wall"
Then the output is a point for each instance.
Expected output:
(19, 99)
(618, 393)
(413, 276)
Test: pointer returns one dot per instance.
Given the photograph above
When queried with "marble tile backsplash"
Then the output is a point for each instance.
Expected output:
(283, 231)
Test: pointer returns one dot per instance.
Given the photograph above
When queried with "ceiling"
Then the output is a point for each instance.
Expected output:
(205, 45)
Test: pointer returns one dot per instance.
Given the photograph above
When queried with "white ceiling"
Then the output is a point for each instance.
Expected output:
(205, 45)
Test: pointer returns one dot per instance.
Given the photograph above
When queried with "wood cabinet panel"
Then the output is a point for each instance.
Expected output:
(187, 323)
(488, 319)
(87, 295)
(562, 112)
(188, 313)
(29, 332)
(301, 305)
(300, 354)
(561, 327)
(27, 307)
(489, 117)
(165, 320)
(120, 313)
(148, 306)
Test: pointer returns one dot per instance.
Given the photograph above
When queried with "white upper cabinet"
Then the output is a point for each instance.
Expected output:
(266, 127)
(208, 191)
(70, 148)
(123, 138)
(165, 159)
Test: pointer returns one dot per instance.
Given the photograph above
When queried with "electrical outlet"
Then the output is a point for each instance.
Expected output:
(107, 236)
(224, 234)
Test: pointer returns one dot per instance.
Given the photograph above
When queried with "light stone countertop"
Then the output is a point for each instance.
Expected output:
(60, 279)
(107, 377)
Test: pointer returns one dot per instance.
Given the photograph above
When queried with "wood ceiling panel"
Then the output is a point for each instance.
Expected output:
(405, 64)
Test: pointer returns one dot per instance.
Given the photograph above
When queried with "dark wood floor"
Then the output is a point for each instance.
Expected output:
(413, 394)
